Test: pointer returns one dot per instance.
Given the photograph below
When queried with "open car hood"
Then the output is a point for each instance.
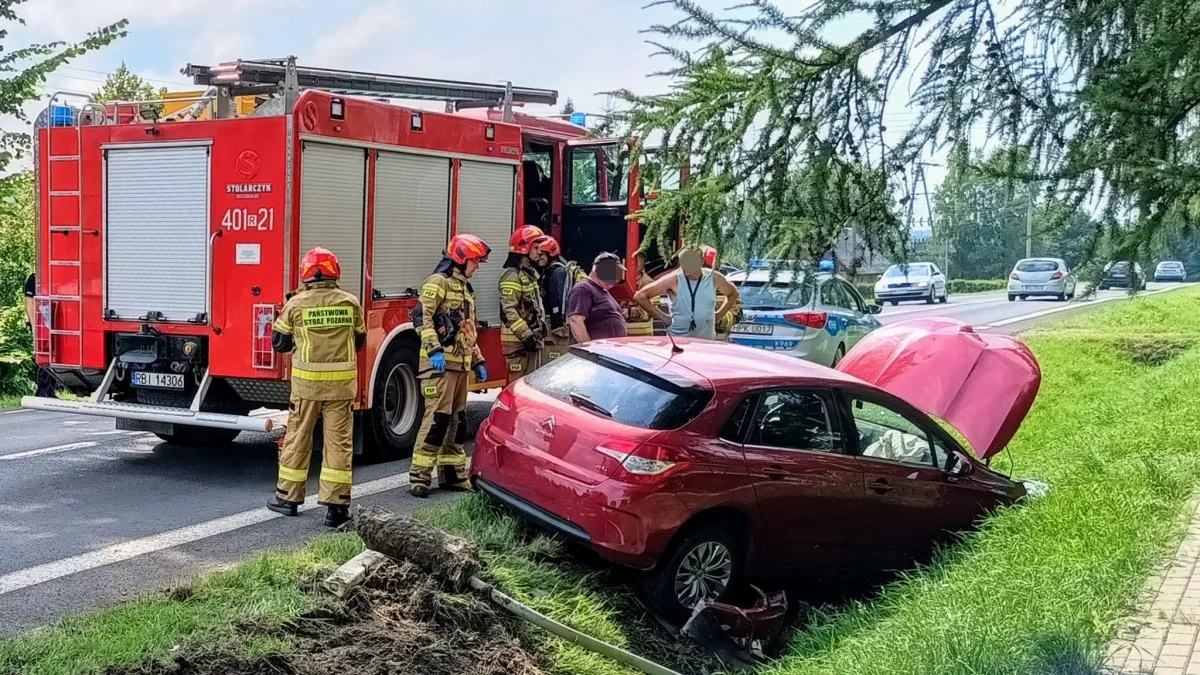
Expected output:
(981, 384)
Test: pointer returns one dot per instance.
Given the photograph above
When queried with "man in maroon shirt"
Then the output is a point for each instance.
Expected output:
(592, 312)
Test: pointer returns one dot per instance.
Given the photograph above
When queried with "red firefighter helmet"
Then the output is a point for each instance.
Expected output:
(710, 256)
(466, 247)
(522, 240)
(319, 264)
(549, 245)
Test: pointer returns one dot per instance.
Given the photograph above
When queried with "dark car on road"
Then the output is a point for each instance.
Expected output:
(703, 463)
(1170, 270)
(1121, 275)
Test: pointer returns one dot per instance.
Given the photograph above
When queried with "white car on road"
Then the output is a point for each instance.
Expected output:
(1040, 278)
(914, 281)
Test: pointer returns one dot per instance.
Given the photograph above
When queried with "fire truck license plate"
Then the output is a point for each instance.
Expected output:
(158, 380)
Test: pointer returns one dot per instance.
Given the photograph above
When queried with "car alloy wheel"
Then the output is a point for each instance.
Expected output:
(705, 572)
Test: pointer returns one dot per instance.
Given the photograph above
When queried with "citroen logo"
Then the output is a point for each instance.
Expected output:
(547, 426)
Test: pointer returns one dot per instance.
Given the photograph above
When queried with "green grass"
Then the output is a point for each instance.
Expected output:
(10, 402)
(528, 567)
(216, 611)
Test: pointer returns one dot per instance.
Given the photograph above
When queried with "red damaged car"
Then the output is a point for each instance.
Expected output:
(705, 463)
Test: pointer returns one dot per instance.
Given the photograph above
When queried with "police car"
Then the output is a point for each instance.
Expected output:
(817, 317)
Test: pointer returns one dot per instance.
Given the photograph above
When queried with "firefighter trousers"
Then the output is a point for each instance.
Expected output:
(555, 347)
(443, 434)
(338, 421)
(521, 361)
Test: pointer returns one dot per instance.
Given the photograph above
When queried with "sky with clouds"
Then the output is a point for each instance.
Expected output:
(579, 47)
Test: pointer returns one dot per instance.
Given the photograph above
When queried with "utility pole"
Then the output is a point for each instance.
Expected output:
(1029, 226)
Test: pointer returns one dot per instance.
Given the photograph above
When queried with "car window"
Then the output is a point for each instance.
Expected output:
(935, 269)
(780, 295)
(622, 393)
(735, 427)
(794, 419)
(832, 295)
(1037, 266)
(855, 300)
(884, 433)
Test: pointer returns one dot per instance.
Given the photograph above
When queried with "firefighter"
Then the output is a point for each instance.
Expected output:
(724, 321)
(449, 353)
(323, 326)
(524, 328)
(558, 277)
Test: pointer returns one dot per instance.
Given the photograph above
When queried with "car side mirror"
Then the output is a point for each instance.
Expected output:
(874, 309)
(961, 467)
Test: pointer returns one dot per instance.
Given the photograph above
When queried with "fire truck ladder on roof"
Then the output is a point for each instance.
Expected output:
(283, 77)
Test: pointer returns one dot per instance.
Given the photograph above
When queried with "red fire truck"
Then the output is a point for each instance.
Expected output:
(167, 246)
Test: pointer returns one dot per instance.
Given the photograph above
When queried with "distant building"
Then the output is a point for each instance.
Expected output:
(856, 261)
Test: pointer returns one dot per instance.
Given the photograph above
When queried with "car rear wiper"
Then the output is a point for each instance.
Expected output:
(584, 402)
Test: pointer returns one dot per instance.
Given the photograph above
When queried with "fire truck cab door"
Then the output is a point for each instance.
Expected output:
(333, 196)
(600, 191)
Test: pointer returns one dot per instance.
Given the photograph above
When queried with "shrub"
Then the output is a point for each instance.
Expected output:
(975, 285)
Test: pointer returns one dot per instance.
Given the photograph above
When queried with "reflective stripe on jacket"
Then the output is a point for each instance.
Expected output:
(521, 310)
(323, 321)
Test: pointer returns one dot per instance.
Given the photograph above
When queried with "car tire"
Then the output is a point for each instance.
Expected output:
(932, 296)
(838, 355)
(708, 551)
(1103, 287)
(945, 297)
(1012, 298)
(895, 303)
(199, 437)
(397, 405)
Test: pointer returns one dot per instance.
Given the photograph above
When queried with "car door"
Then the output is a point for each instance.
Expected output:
(910, 499)
(939, 280)
(808, 488)
(836, 304)
(862, 322)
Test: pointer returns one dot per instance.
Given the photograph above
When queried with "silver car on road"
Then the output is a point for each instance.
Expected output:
(817, 319)
(914, 281)
(1040, 278)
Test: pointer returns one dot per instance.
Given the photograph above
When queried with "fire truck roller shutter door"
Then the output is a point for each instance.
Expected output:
(486, 195)
(333, 191)
(156, 228)
(412, 219)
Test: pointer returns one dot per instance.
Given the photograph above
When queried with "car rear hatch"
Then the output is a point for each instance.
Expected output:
(1037, 272)
(777, 316)
(579, 417)
(981, 384)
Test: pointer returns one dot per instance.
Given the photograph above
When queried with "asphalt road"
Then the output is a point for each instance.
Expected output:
(91, 516)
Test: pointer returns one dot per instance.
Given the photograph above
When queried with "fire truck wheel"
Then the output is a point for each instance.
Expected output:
(188, 436)
(396, 414)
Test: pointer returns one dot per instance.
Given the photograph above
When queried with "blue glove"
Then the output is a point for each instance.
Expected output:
(438, 361)
(481, 373)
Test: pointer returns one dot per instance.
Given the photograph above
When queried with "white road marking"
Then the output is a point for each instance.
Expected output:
(14, 412)
(114, 432)
(75, 423)
(1069, 306)
(49, 451)
(127, 550)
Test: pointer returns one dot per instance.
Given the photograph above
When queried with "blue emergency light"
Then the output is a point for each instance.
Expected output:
(759, 264)
(826, 265)
(579, 118)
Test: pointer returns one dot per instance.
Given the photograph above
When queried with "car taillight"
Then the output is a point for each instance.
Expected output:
(1056, 275)
(806, 319)
(504, 401)
(643, 461)
(1014, 276)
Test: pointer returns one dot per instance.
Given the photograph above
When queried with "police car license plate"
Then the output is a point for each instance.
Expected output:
(753, 328)
(158, 380)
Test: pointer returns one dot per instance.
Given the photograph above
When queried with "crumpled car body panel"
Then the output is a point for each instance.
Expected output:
(981, 384)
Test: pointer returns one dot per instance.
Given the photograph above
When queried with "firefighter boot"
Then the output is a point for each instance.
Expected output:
(283, 506)
(336, 516)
